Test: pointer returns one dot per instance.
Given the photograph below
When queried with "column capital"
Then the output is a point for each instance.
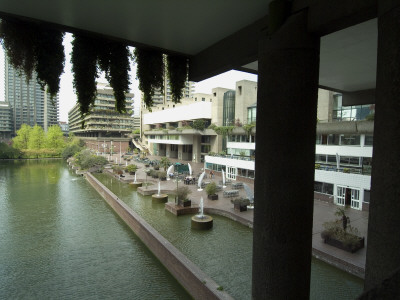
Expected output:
(386, 6)
(292, 35)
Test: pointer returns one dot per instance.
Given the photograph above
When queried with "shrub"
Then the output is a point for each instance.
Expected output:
(7, 151)
(117, 169)
(182, 193)
(86, 160)
(199, 124)
(211, 188)
(70, 151)
(131, 168)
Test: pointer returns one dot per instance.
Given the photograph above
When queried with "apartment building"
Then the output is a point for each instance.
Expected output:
(29, 103)
(104, 126)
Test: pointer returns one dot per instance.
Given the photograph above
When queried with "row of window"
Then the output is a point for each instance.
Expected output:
(343, 139)
(164, 137)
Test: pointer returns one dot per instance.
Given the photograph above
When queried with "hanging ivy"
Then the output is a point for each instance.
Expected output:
(150, 73)
(31, 47)
(50, 59)
(84, 67)
(18, 40)
(177, 71)
(113, 59)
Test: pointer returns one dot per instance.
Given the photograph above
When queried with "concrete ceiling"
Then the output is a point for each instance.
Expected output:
(210, 32)
(347, 58)
(184, 26)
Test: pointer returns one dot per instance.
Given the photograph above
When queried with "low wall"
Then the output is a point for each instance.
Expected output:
(195, 281)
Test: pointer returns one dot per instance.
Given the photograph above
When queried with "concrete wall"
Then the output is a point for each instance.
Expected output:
(246, 95)
(195, 281)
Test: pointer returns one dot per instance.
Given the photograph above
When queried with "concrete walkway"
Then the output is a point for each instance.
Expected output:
(351, 262)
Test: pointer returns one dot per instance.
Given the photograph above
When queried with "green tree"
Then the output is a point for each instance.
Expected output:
(7, 151)
(55, 138)
(36, 138)
(22, 139)
(165, 163)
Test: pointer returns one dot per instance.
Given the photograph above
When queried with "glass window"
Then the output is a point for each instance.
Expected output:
(333, 139)
(350, 140)
(367, 195)
(369, 140)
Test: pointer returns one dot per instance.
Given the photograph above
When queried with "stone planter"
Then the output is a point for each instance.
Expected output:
(213, 197)
(240, 207)
(339, 244)
(185, 203)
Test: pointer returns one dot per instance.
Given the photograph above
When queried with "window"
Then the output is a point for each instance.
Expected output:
(322, 187)
(203, 99)
(350, 140)
(369, 140)
(367, 195)
(240, 89)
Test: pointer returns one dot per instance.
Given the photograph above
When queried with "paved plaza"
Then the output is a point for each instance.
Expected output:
(323, 212)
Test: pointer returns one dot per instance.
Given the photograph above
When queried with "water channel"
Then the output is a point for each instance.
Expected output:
(60, 239)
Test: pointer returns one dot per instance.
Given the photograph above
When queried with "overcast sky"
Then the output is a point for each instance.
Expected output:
(68, 97)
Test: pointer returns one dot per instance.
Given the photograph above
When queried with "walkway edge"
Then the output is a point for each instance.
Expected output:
(194, 280)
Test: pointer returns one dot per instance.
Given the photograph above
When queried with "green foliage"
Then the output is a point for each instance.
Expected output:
(7, 152)
(199, 124)
(220, 288)
(241, 201)
(165, 163)
(136, 131)
(150, 72)
(117, 169)
(32, 47)
(223, 130)
(182, 193)
(22, 139)
(248, 128)
(334, 230)
(177, 72)
(211, 188)
(84, 67)
(131, 168)
(162, 175)
(86, 160)
(41, 153)
(113, 59)
(36, 138)
(70, 150)
(317, 166)
(55, 137)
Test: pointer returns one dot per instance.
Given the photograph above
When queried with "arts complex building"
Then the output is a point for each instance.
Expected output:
(343, 147)
(352, 47)
(25, 103)
(104, 129)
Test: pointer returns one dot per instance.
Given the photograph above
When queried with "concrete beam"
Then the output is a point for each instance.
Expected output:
(358, 97)
(230, 53)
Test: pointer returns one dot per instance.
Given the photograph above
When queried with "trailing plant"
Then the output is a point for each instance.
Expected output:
(223, 130)
(113, 59)
(241, 201)
(84, 67)
(31, 47)
(177, 72)
(248, 128)
(199, 124)
(150, 73)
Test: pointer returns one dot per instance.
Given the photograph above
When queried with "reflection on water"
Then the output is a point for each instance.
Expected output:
(225, 252)
(60, 240)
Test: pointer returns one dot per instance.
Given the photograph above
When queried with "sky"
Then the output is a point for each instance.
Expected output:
(67, 97)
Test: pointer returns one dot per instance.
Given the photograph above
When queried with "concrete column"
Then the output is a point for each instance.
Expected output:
(196, 149)
(288, 65)
(383, 254)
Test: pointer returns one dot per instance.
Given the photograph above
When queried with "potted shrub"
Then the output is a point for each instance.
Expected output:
(211, 190)
(131, 169)
(182, 195)
(240, 204)
(162, 175)
(339, 234)
(117, 169)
